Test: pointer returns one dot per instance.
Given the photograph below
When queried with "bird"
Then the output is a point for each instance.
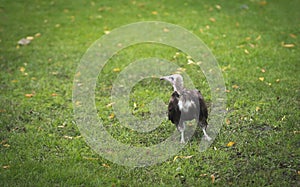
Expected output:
(186, 105)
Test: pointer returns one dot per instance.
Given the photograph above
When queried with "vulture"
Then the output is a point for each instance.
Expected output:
(186, 105)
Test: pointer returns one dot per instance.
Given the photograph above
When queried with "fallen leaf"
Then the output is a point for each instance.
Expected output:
(227, 121)
(277, 80)
(154, 12)
(6, 167)
(290, 45)
(106, 165)
(218, 7)
(184, 157)
(54, 94)
(235, 86)
(6, 145)
(116, 70)
(230, 144)
(258, 37)
(68, 137)
(22, 69)
(203, 175)
(212, 19)
(257, 109)
(37, 35)
(111, 116)
(57, 25)
(30, 38)
(212, 178)
(293, 35)
(106, 32)
(166, 30)
(262, 3)
(298, 172)
(110, 104)
(246, 51)
(263, 70)
(29, 95)
(261, 78)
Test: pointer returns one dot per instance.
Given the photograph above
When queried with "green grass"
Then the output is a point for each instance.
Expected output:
(246, 38)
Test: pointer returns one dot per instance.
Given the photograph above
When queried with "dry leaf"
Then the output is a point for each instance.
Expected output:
(212, 19)
(218, 7)
(261, 78)
(30, 38)
(258, 37)
(263, 70)
(154, 12)
(22, 69)
(287, 45)
(246, 51)
(106, 165)
(257, 109)
(29, 95)
(166, 30)
(212, 178)
(116, 70)
(54, 94)
(227, 121)
(235, 86)
(68, 137)
(293, 35)
(110, 104)
(184, 157)
(6, 167)
(106, 32)
(230, 144)
(111, 116)
(277, 80)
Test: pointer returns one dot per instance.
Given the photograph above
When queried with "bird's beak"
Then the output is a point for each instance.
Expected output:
(163, 78)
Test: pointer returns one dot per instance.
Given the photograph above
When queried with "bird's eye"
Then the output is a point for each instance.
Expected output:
(171, 78)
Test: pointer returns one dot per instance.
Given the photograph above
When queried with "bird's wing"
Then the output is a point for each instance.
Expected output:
(173, 109)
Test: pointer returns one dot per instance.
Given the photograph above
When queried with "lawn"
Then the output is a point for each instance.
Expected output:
(255, 42)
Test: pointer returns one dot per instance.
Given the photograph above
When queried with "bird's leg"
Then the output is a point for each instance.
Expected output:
(203, 125)
(181, 128)
(206, 137)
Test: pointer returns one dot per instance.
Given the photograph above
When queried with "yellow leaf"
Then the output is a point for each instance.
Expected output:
(235, 86)
(277, 80)
(257, 108)
(116, 70)
(166, 30)
(258, 37)
(6, 167)
(37, 35)
(218, 7)
(111, 116)
(54, 94)
(110, 104)
(29, 95)
(212, 178)
(106, 32)
(227, 121)
(22, 69)
(68, 137)
(212, 19)
(154, 12)
(29, 37)
(293, 35)
(290, 45)
(263, 70)
(246, 51)
(261, 78)
(106, 165)
(230, 144)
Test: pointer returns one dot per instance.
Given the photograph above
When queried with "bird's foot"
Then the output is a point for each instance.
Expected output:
(207, 138)
(182, 141)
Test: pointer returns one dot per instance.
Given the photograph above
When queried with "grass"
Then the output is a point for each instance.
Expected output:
(40, 142)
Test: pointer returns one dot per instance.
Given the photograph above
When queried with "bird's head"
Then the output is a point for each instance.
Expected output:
(176, 80)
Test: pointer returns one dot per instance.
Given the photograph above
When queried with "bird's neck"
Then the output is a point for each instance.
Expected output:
(178, 87)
